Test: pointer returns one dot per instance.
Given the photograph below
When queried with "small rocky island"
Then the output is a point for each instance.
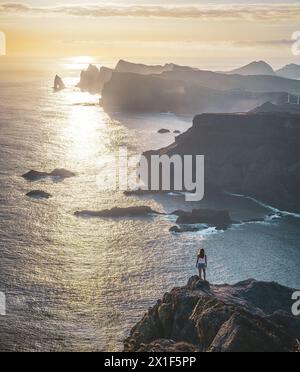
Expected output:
(58, 84)
(34, 175)
(250, 316)
(118, 212)
(39, 194)
(221, 220)
(163, 131)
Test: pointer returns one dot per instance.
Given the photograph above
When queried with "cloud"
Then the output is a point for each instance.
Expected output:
(262, 12)
(264, 43)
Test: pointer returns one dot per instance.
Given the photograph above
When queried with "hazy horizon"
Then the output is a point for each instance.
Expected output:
(211, 35)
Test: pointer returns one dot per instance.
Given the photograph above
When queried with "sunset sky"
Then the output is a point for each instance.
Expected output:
(214, 33)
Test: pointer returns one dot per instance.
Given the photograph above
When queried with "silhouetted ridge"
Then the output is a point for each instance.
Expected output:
(255, 155)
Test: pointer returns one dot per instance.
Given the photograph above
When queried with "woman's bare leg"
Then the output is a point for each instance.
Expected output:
(204, 274)
(200, 274)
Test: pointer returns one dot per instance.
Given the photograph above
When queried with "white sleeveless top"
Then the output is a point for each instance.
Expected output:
(202, 261)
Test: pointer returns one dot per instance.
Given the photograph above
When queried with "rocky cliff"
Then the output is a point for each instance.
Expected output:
(93, 80)
(250, 316)
(185, 90)
(251, 154)
(154, 93)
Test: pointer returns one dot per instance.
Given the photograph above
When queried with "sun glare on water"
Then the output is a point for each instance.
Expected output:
(82, 132)
(79, 62)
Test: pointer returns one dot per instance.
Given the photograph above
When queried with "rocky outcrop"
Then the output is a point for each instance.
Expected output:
(250, 316)
(140, 192)
(183, 229)
(220, 219)
(58, 84)
(253, 155)
(93, 79)
(163, 131)
(39, 194)
(56, 173)
(118, 212)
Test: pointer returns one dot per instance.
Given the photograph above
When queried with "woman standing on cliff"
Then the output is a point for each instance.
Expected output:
(202, 263)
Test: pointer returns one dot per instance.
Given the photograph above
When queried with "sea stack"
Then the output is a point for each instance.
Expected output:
(58, 83)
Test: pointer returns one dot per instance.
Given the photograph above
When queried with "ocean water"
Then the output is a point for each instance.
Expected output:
(76, 284)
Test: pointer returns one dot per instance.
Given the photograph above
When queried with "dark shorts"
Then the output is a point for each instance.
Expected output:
(201, 266)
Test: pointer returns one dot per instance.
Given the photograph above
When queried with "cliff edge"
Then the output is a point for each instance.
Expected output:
(250, 316)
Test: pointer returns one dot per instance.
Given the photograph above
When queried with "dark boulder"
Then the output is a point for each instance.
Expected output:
(163, 131)
(39, 194)
(57, 173)
(184, 229)
(35, 175)
(62, 173)
(141, 192)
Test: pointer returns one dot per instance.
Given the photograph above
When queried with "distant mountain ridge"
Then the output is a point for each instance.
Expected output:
(254, 68)
(269, 107)
(186, 90)
(142, 69)
(291, 71)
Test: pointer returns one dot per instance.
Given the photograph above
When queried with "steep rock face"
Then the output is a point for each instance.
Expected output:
(93, 80)
(254, 155)
(247, 317)
(134, 92)
(155, 93)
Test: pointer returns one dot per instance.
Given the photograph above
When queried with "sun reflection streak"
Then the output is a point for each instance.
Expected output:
(83, 131)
